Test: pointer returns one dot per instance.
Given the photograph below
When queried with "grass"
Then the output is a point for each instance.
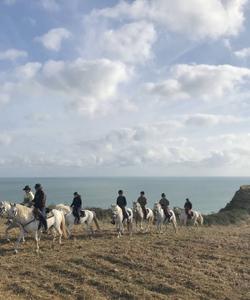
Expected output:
(196, 263)
(227, 217)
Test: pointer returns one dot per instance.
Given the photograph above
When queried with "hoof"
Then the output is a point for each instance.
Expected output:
(15, 251)
(8, 240)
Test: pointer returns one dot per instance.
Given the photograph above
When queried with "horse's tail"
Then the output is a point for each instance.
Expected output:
(63, 226)
(96, 221)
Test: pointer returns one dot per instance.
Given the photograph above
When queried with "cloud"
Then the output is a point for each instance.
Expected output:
(28, 71)
(89, 85)
(39, 117)
(50, 5)
(194, 18)
(243, 53)
(13, 54)
(53, 39)
(86, 86)
(206, 82)
(145, 144)
(5, 139)
(211, 120)
(130, 43)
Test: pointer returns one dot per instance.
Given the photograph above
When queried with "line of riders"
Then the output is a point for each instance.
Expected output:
(38, 201)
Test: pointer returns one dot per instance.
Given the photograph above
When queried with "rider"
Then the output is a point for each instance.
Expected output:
(164, 202)
(40, 206)
(142, 200)
(188, 208)
(28, 199)
(122, 203)
(77, 206)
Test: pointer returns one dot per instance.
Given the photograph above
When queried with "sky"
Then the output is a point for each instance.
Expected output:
(124, 88)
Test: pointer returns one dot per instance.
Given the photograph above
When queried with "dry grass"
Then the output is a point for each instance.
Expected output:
(204, 263)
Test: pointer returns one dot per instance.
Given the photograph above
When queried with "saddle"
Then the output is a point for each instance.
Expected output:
(190, 214)
(168, 214)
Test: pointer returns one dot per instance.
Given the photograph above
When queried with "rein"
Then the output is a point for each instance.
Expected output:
(24, 225)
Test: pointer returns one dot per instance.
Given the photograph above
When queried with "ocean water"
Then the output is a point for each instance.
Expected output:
(208, 194)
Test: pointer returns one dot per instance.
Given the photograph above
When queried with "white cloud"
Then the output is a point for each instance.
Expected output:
(5, 139)
(86, 86)
(207, 82)
(194, 18)
(211, 120)
(12, 54)
(90, 86)
(50, 5)
(130, 43)
(53, 39)
(243, 53)
(28, 71)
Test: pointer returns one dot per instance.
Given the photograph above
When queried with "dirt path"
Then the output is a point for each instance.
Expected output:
(204, 263)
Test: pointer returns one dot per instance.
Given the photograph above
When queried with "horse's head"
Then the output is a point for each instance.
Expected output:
(157, 208)
(13, 210)
(115, 210)
(135, 205)
(4, 208)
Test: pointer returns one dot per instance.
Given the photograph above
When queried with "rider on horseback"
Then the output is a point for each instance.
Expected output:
(77, 206)
(188, 208)
(142, 200)
(28, 199)
(122, 202)
(164, 202)
(40, 206)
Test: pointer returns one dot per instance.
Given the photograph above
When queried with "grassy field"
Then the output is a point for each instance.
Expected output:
(196, 263)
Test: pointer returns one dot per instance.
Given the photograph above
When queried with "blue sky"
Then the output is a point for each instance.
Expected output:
(105, 88)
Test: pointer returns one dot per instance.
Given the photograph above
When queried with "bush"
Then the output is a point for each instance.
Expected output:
(227, 217)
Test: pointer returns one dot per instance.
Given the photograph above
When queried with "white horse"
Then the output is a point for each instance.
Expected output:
(139, 216)
(196, 218)
(88, 219)
(24, 217)
(65, 208)
(161, 218)
(119, 222)
(5, 208)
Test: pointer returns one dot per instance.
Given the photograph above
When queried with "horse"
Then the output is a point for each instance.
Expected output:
(119, 221)
(5, 211)
(65, 208)
(196, 217)
(161, 218)
(24, 217)
(139, 215)
(88, 218)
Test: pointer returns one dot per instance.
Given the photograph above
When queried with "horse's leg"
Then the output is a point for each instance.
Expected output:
(18, 240)
(130, 228)
(174, 225)
(69, 228)
(37, 241)
(9, 227)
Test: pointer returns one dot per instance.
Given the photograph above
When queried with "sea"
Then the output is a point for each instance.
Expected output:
(208, 194)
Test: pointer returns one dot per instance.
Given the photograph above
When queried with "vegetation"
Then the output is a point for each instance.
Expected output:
(227, 217)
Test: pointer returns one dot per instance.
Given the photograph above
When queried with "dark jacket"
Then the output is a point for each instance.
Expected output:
(164, 202)
(77, 202)
(142, 200)
(40, 200)
(188, 205)
(121, 201)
